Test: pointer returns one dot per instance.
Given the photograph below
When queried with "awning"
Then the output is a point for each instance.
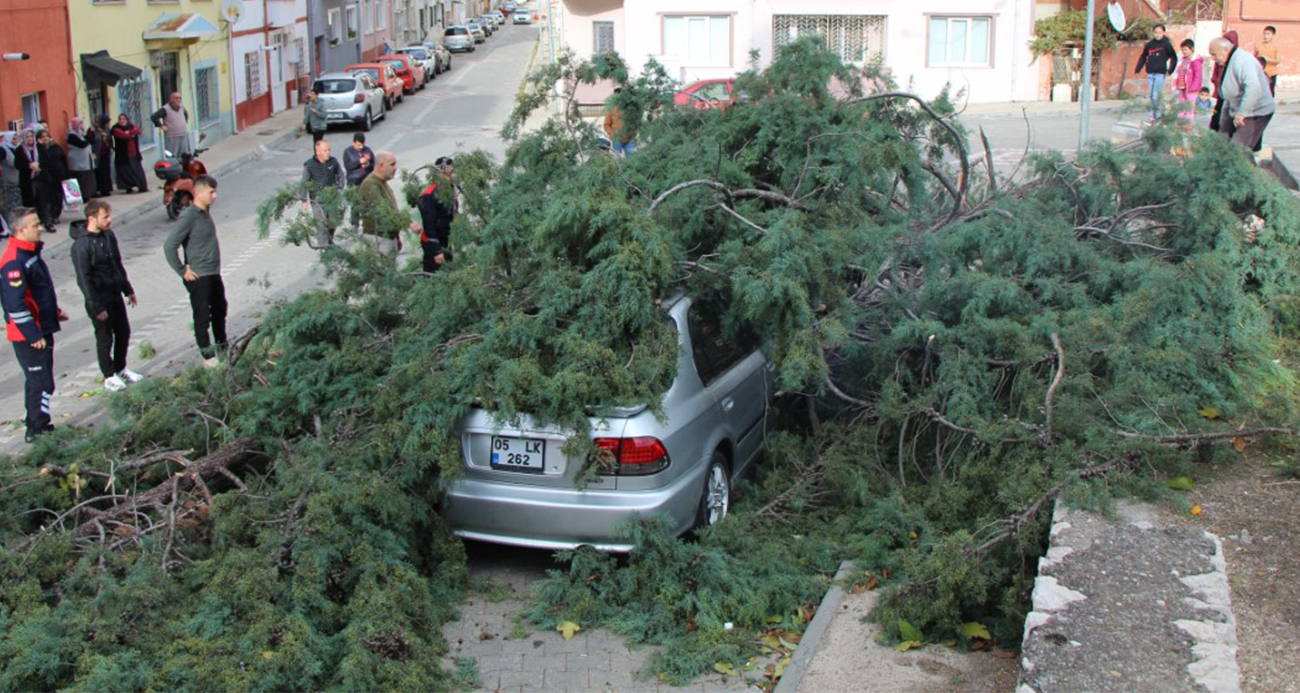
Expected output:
(182, 27)
(100, 69)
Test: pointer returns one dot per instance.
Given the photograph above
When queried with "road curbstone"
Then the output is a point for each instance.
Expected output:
(812, 637)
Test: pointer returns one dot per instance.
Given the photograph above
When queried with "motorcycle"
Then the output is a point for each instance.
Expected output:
(178, 174)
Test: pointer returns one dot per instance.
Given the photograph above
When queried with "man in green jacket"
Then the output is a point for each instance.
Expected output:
(381, 222)
(315, 117)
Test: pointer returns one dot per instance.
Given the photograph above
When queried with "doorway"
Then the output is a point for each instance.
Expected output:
(169, 79)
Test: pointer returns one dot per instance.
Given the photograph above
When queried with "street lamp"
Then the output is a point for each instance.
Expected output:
(16, 56)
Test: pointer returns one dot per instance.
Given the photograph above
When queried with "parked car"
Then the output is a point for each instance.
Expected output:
(459, 39)
(426, 59)
(485, 29)
(476, 30)
(441, 53)
(523, 17)
(385, 76)
(701, 94)
(493, 19)
(352, 96)
(408, 69)
(518, 486)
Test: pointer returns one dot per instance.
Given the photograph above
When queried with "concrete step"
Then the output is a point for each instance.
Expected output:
(1129, 604)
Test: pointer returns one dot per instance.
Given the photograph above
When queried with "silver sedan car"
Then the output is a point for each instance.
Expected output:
(519, 488)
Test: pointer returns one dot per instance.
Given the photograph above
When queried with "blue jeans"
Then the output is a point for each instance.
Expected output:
(624, 149)
(1155, 89)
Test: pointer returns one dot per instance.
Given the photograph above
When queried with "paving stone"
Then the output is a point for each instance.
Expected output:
(526, 646)
(540, 661)
(482, 648)
(567, 680)
(616, 681)
(521, 679)
(576, 661)
(558, 645)
(499, 662)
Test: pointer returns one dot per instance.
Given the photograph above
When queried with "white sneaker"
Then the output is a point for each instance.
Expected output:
(211, 363)
(114, 384)
(130, 376)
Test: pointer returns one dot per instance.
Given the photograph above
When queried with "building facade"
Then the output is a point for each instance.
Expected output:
(130, 55)
(376, 28)
(42, 87)
(271, 55)
(335, 27)
(979, 46)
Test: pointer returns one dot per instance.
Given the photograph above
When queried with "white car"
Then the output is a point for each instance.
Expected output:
(427, 59)
(523, 17)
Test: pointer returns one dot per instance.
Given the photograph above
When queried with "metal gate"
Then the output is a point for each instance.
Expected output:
(855, 38)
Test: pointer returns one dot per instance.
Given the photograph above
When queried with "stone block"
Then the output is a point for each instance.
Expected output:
(574, 661)
(500, 662)
(519, 679)
(567, 680)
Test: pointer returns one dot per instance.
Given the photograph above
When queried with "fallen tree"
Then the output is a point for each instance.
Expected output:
(955, 350)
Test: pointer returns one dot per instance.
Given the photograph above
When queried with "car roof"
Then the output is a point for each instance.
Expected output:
(335, 75)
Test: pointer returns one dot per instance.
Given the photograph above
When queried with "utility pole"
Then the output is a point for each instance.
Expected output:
(1085, 96)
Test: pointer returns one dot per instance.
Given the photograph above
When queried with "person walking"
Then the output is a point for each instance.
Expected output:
(126, 152)
(617, 130)
(103, 156)
(1158, 59)
(1216, 78)
(380, 218)
(358, 160)
(437, 210)
(1187, 82)
(1270, 57)
(1248, 104)
(81, 157)
(32, 315)
(319, 173)
(315, 117)
(103, 282)
(173, 120)
(48, 182)
(196, 233)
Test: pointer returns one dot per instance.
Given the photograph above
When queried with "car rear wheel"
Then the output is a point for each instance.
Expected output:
(368, 122)
(715, 502)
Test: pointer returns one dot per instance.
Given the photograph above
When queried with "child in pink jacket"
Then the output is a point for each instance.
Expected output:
(1187, 82)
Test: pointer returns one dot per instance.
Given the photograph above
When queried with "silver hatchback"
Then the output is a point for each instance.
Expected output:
(459, 38)
(519, 488)
(351, 97)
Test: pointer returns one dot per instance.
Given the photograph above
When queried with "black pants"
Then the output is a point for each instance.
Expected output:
(112, 337)
(429, 264)
(46, 199)
(1250, 135)
(38, 368)
(208, 301)
(317, 135)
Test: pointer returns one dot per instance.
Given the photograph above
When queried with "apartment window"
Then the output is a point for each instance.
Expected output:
(135, 99)
(604, 36)
(299, 58)
(698, 41)
(334, 26)
(253, 84)
(31, 108)
(354, 24)
(960, 40)
(855, 38)
(368, 15)
(208, 95)
(381, 14)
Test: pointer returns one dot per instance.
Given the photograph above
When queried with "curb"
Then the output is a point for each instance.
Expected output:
(812, 637)
(229, 167)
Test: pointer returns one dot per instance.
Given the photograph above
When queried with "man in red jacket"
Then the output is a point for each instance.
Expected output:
(32, 314)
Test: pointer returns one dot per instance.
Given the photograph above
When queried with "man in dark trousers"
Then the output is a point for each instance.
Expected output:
(1159, 60)
(32, 314)
(103, 282)
(437, 210)
(197, 234)
(319, 173)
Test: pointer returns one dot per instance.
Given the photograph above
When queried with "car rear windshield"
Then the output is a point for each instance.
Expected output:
(419, 53)
(372, 71)
(335, 86)
(457, 31)
(398, 65)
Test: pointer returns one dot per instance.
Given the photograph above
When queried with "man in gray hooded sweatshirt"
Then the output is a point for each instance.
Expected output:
(1248, 103)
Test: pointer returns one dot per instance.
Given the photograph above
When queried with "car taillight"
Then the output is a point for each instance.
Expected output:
(631, 456)
(360, 98)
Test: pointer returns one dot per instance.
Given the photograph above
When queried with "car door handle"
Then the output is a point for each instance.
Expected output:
(728, 404)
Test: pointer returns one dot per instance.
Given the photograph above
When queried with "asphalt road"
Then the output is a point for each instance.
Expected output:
(460, 111)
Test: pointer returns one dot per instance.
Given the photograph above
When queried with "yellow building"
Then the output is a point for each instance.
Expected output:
(129, 55)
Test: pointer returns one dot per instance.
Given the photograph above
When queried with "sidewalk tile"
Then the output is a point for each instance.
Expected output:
(577, 661)
(499, 662)
(519, 679)
(567, 680)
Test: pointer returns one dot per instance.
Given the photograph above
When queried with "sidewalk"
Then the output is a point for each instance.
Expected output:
(1285, 96)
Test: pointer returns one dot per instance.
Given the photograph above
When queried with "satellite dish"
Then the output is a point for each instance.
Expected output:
(232, 10)
(1116, 14)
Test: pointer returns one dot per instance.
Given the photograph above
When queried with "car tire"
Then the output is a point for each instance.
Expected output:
(715, 499)
(368, 122)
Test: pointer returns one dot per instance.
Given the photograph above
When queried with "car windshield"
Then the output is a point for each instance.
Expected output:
(457, 31)
(334, 86)
(373, 72)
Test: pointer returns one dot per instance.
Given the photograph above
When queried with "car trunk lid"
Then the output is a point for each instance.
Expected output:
(527, 453)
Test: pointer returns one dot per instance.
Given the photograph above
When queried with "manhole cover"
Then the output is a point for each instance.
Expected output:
(266, 132)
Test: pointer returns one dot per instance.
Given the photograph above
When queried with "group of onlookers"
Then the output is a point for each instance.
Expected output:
(1239, 101)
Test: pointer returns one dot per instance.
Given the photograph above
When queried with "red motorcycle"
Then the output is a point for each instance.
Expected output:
(178, 174)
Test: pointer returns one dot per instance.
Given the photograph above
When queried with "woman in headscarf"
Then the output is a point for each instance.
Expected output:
(27, 160)
(103, 156)
(11, 195)
(48, 182)
(126, 147)
(81, 157)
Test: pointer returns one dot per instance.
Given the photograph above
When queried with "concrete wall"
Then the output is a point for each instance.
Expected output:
(39, 28)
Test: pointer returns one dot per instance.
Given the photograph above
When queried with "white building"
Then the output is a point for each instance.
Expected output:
(270, 58)
(981, 46)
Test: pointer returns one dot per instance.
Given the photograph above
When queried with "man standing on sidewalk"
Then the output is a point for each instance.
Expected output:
(1159, 60)
(1248, 105)
(315, 117)
(319, 173)
(201, 270)
(173, 119)
(380, 218)
(32, 314)
(103, 282)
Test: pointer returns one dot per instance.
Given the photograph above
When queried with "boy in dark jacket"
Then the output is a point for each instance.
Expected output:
(103, 283)
(1159, 60)
(437, 210)
(32, 314)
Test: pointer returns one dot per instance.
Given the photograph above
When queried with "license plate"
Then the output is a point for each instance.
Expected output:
(519, 454)
(338, 116)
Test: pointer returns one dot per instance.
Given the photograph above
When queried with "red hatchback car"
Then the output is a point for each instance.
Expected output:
(411, 72)
(701, 94)
(386, 76)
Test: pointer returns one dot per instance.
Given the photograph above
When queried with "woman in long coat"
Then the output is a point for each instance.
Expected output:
(126, 147)
(103, 156)
(25, 155)
(81, 156)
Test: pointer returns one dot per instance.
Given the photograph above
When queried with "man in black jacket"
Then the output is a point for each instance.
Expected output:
(437, 210)
(1159, 59)
(103, 283)
(319, 173)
